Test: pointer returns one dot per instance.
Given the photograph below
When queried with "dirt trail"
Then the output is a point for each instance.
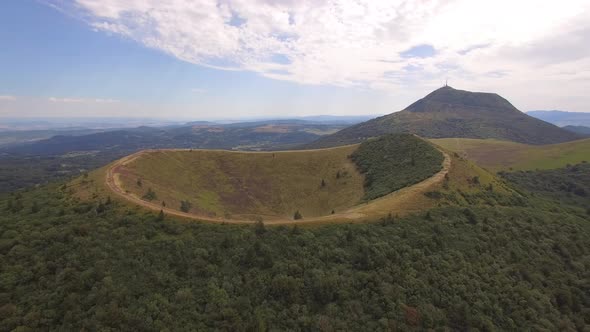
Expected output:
(392, 203)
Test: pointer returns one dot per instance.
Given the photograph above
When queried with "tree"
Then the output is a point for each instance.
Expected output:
(139, 183)
(259, 228)
(471, 217)
(150, 195)
(161, 216)
(9, 207)
(323, 183)
(185, 206)
(100, 208)
(35, 207)
(297, 215)
(387, 220)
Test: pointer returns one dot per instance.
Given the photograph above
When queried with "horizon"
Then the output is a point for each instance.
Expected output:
(87, 58)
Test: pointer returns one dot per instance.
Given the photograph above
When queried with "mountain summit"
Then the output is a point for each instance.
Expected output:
(441, 99)
(448, 112)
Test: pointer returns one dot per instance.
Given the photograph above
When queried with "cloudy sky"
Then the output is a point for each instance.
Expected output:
(204, 59)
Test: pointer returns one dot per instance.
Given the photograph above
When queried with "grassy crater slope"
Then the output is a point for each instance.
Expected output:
(498, 155)
(392, 162)
(246, 185)
(233, 186)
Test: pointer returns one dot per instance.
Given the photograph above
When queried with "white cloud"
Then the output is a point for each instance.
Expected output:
(81, 100)
(358, 42)
(7, 98)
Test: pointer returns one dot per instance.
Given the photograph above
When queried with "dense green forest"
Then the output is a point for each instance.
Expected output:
(18, 172)
(395, 161)
(569, 185)
(72, 265)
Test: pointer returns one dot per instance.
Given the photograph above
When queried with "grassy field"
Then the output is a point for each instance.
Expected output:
(496, 155)
(241, 185)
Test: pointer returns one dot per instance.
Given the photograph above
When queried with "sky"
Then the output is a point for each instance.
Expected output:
(215, 59)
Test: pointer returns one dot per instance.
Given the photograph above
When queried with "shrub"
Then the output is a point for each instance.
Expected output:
(185, 206)
(297, 215)
(471, 217)
(150, 195)
(433, 194)
(259, 228)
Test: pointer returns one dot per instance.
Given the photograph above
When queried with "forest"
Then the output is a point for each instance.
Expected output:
(395, 161)
(73, 265)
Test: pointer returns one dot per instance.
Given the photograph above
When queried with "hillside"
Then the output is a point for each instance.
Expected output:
(241, 185)
(447, 112)
(580, 130)
(502, 155)
(322, 184)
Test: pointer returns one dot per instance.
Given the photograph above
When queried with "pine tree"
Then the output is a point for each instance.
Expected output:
(259, 228)
(35, 207)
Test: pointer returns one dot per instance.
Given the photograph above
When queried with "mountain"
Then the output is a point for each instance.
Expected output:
(448, 112)
(580, 130)
(562, 118)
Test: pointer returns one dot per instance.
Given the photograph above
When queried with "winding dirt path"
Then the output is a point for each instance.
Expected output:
(395, 202)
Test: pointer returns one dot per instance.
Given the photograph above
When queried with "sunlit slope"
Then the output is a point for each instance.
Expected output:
(243, 185)
(349, 183)
(498, 155)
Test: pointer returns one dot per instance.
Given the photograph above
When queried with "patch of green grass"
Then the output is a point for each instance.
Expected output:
(498, 155)
(392, 162)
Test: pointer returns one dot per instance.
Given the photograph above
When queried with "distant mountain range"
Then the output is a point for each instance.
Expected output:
(260, 135)
(561, 118)
(447, 112)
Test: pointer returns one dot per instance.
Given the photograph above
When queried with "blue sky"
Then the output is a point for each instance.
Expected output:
(234, 59)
